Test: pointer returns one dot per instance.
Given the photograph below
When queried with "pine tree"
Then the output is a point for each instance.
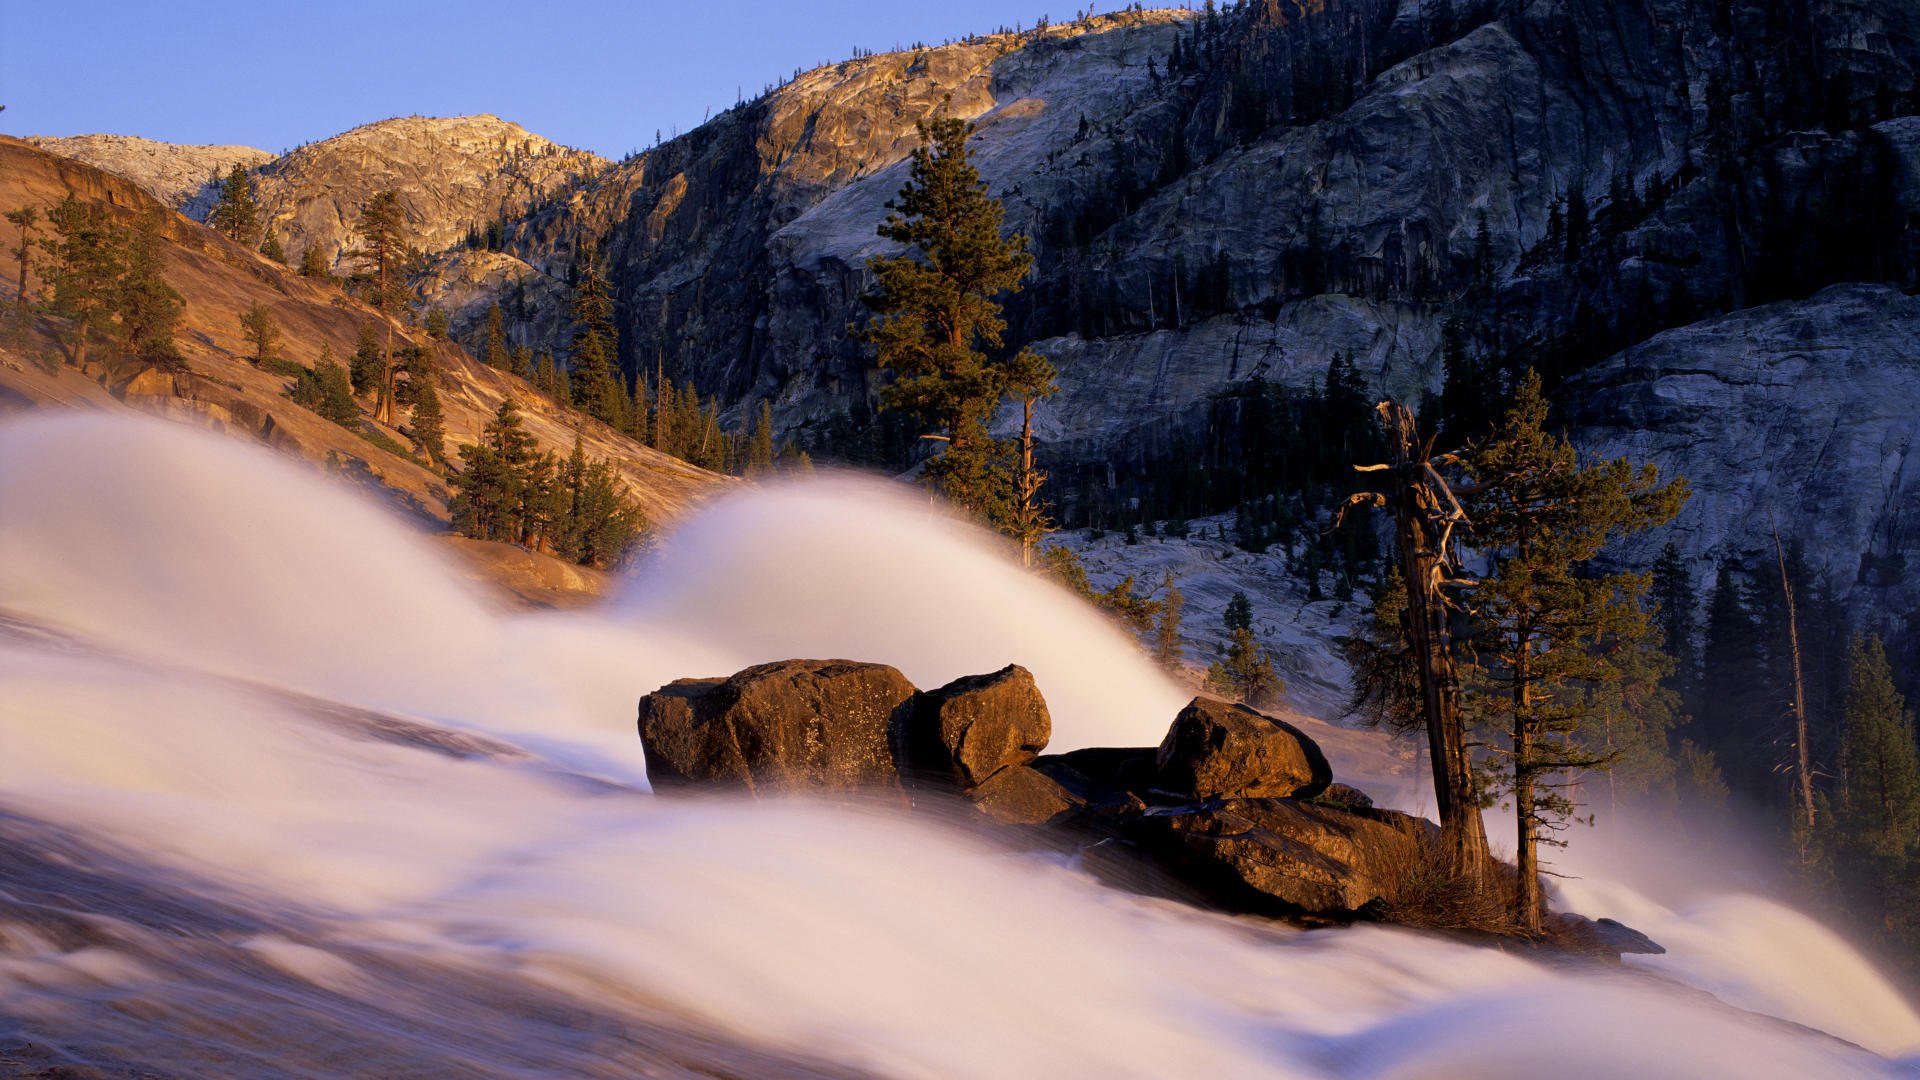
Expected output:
(257, 325)
(1673, 593)
(270, 247)
(149, 307)
(520, 362)
(336, 391)
(760, 452)
(1247, 669)
(938, 318)
(1029, 377)
(1553, 642)
(1732, 716)
(437, 323)
(428, 430)
(593, 373)
(236, 214)
(1879, 808)
(496, 353)
(1167, 650)
(365, 365)
(26, 219)
(490, 493)
(385, 257)
(84, 274)
(313, 264)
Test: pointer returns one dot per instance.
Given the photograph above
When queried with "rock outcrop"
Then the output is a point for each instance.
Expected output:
(1217, 750)
(974, 727)
(454, 174)
(186, 178)
(1218, 806)
(1287, 855)
(795, 724)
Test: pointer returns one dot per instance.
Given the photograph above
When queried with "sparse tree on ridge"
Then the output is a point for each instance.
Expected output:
(237, 215)
(385, 256)
(84, 272)
(261, 331)
(149, 307)
(26, 219)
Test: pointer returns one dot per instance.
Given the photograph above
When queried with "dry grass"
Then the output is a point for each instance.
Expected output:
(1428, 896)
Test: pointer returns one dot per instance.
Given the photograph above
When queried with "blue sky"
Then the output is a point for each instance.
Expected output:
(599, 75)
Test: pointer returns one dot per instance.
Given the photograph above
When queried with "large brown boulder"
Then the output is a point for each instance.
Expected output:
(808, 724)
(1286, 856)
(975, 726)
(1103, 774)
(1216, 750)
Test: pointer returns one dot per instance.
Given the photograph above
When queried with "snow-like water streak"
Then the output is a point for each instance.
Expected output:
(233, 684)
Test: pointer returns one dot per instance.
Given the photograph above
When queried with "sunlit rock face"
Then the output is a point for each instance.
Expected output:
(453, 174)
(184, 177)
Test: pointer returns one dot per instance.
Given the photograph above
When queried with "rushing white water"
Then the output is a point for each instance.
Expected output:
(320, 808)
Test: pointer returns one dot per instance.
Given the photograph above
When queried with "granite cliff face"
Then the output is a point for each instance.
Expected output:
(454, 175)
(186, 178)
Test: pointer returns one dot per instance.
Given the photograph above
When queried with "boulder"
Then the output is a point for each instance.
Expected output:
(1347, 797)
(1218, 750)
(1286, 856)
(976, 726)
(1019, 795)
(808, 724)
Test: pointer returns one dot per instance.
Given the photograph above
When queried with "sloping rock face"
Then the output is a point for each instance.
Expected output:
(185, 177)
(1216, 749)
(1803, 415)
(978, 725)
(820, 724)
(453, 174)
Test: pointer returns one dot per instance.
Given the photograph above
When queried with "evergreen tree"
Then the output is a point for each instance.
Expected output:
(313, 263)
(491, 492)
(85, 273)
(367, 361)
(26, 219)
(270, 247)
(760, 452)
(437, 324)
(236, 215)
(520, 362)
(428, 430)
(385, 257)
(336, 391)
(593, 372)
(496, 353)
(1733, 716)
(1246, 672)
(1167, 650)
(1554, 642)
(1879, 808)
(149, 307)
(257, 325)
(937, 316)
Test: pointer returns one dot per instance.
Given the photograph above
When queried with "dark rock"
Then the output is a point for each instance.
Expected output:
(973, 727)
(1286, 856)
(821, 724)
(1604, 938)
(1218, 750)
(1022, 796)
(1347, 797)
(1102, 774)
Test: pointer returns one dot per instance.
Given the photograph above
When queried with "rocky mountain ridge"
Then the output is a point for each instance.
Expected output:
(185, 177)
(223, 391)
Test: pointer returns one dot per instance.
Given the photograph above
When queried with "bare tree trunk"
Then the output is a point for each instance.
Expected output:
(1029, 490)
(383, 409)
(1414, 503)
(1803, 779)
(1527, 852)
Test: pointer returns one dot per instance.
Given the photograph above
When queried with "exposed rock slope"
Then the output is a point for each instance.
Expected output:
(219, 281)
(453, 174)
(182, 176)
